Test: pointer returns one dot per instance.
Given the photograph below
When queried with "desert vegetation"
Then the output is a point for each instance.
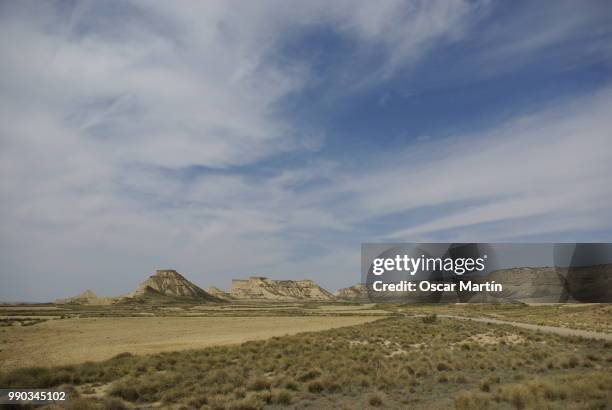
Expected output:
(591, 316)
(397, 362)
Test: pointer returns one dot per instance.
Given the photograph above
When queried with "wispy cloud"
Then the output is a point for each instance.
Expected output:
(140, 134)
(553, 164)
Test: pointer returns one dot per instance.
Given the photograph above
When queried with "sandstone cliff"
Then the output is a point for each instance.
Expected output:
(258, 287)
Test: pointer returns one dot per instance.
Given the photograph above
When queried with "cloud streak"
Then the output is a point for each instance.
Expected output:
(138, 135)
(552, 164)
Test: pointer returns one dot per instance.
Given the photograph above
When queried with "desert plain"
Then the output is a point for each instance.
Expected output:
(292, 344)
(80, 337)
(311, 355)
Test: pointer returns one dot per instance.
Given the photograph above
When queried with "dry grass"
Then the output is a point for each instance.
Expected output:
(440, 367)
(588, 389)
(592, 317)
(71, 341)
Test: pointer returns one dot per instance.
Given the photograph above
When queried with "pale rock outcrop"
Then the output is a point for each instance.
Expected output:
(262, 288)
(220, 293)
(86, 298)
(355, 293)
(550, 284)
(168, 283)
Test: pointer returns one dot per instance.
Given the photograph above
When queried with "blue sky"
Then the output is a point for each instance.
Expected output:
(226, 139)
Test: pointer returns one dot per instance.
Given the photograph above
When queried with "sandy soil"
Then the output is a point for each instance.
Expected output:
(41, 308)
(365, 308)
(563, 331)
(71, 341)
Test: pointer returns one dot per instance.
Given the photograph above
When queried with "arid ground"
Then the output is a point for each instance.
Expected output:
(351, 356)
(71, 341)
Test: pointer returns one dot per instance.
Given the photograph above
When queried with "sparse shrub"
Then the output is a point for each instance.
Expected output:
(122, 356)
(309, 375)
(363, 381)
(485, 385)
(331, 385)
(88, 390)
(375, 399)
(250, 403)
(198, 401)
(291, 384)
(171, 396)
(472, 401)
(113, 404)
(283, 397)
(80, 404)
(460, 379)
(126, 391)
(218, 376)
(315, 386)
(518, 396)
(265, 396)
(442, 367)
(258, 384)
(219, 402)
(429, 319)
(39, 377)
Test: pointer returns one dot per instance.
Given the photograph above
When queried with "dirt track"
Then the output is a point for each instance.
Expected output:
(548, 329)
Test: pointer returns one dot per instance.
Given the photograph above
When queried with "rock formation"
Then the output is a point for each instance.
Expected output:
(549, 284)
(86, 298)
(164, 286)
(534, 284)
(169, 284)
(520, 284)
(355, 293)
(525, 284)
(261, 288)
(218, 293)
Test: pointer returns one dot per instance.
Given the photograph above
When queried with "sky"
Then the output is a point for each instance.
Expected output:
(228, 138)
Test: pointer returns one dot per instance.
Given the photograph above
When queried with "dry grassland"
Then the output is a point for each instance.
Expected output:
(393, 363)
(70, 341)
(595, 317)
